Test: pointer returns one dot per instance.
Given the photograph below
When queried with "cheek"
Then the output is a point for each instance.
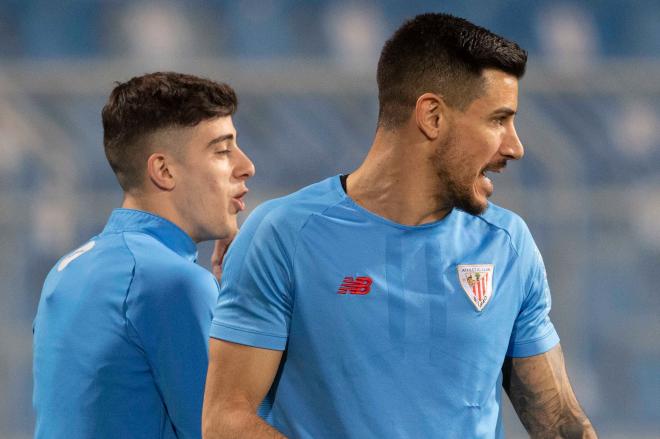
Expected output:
(483, 150)
(493, 139)
(210, 193)
(217, 177)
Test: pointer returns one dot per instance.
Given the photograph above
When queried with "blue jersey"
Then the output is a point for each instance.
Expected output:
(390, 331)
(120, 337)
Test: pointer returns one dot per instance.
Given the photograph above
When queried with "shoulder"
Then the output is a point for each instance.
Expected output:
(103, 260)
(289, 213)
(162, 275)
(500, 219)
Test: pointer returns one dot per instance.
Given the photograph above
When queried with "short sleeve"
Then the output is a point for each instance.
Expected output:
(255, 302)
(533, 332)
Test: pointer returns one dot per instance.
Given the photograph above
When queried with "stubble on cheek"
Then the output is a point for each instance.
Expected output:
(457, 179)
(465, 189)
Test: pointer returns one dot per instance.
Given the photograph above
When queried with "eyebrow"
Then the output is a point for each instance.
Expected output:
(221, 138)
(504, 111)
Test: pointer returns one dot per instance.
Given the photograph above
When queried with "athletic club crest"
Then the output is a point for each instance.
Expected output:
(477, 282)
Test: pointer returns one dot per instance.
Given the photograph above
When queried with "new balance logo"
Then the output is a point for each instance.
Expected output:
(359, 285)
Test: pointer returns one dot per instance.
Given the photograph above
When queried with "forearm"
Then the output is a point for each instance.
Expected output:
(542, 396)
(558, 419)
(238, 424)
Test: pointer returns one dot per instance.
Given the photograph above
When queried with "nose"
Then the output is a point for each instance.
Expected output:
(512, 147)
(245, 168)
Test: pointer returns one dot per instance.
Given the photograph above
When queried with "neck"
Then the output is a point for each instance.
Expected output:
(397, 180)
(158, 204)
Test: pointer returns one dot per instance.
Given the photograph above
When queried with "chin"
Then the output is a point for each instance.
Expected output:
(475, 208)
(468, 198)
(223, 230)
(231, 232)
(474, 205)
(230, 229)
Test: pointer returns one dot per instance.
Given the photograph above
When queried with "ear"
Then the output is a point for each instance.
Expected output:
(159, 171)
(429, 114)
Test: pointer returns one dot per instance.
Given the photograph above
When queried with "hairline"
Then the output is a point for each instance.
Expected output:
(480, 87)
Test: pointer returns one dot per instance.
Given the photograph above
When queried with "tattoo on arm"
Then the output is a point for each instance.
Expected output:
(541, 394)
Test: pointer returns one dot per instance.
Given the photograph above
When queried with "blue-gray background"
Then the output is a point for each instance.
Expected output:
(589, 186)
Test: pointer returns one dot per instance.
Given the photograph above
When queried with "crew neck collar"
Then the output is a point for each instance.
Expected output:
(438, 223)
(168, 233)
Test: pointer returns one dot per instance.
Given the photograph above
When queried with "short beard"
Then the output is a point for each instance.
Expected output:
(463, 198)
(447, 163)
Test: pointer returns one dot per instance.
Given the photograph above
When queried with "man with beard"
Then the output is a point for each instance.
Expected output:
(396, 301)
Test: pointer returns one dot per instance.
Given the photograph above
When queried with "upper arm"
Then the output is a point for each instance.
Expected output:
(541, 394)
(256, 298)
(534, 374)
(238, 377)
(533, 333)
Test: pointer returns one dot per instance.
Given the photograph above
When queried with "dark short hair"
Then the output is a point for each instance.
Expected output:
(152, 102)
(442, 54)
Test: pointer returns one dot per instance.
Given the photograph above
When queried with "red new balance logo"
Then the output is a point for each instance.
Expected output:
(358, 285)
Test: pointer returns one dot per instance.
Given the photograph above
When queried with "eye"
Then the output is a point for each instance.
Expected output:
(223, 151)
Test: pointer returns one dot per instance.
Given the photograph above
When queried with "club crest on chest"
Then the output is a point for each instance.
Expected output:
(477, 282)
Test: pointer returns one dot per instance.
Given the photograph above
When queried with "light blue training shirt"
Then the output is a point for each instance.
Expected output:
(121, 332)
(389, 331)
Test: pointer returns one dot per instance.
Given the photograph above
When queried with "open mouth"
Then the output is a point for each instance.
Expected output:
(238, 201)
(496, 169)
(486, 183)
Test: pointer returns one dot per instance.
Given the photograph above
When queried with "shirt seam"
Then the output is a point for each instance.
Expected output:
(147, 235)
(508, 234)
(250, 331)
(152, 370)
(535, 269)
(534, 340)
(127, 320)
(530, 276)
(299, 237)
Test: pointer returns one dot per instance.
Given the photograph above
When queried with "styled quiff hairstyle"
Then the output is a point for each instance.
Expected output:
(140, 107)
(441, 54)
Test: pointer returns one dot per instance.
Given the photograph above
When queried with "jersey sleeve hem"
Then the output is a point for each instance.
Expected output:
(534, 347)
(247, 337)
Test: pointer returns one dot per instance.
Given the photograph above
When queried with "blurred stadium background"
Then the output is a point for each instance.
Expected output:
(589, 186)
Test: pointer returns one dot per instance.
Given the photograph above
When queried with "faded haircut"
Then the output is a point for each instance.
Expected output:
(146, 104)
(441, 54)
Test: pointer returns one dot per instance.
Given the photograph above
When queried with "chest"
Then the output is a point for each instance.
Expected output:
(427, 292)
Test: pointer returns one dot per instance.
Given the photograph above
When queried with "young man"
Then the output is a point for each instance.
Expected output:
(120, 337)
(397, 302)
